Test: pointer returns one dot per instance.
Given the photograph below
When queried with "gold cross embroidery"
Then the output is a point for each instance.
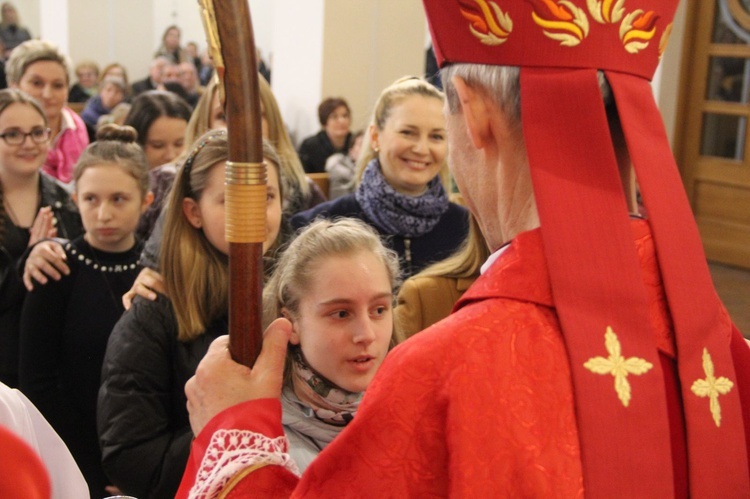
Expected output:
(618, 366)
(712, 387)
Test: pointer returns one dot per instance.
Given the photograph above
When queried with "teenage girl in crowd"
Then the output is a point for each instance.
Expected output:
(401, 193)
(42, 71)
(335, 284)
(160, 119)
(154, 349)
(300, 193)
(65, 324)
(34, 206)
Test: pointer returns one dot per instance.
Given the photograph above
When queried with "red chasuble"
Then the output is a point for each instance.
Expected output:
(481, 404)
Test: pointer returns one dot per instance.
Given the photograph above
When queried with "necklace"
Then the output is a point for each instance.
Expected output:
(104, 270)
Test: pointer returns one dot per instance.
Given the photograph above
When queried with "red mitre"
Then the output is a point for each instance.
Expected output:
(624, 389)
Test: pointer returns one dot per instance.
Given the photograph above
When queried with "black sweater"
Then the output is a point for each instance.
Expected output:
(65, 325)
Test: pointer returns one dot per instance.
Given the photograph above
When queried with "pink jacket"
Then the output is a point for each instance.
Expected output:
(66, 147)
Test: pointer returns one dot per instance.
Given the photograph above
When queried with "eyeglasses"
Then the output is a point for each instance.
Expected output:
(15, 137)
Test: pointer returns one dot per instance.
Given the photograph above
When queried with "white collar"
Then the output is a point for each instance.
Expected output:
(494, 256)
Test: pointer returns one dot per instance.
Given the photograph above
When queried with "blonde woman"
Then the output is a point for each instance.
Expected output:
(401, 192)
(39, 68)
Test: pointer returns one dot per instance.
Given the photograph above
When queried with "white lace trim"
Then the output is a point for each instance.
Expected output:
(231, 451)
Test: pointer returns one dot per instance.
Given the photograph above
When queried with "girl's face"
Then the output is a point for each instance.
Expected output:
(165, 140)
(24, 159)
(208, 212)
(345, 319)
(110, 203)
(47, 82)
(338, 122)
(412, 144)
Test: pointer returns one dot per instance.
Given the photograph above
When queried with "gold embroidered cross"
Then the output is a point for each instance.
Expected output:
(712, 387)
(617, 365)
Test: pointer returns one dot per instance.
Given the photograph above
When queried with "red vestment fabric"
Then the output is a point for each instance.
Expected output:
(480, 404)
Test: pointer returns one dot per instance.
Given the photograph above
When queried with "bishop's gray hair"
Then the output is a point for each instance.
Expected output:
(502, 83)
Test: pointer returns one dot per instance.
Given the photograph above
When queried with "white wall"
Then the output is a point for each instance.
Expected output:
(297, 62)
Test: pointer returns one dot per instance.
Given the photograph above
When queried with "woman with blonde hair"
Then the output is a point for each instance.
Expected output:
(302, 192)
(401, 193)
(335, 284)
(39, 68)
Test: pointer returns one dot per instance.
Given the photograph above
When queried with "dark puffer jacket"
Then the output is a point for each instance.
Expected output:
(142, 417)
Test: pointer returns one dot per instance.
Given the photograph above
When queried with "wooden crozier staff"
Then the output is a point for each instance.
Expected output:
(230, 38)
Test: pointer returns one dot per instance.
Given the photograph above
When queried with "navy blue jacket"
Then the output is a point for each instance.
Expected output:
(415, 253)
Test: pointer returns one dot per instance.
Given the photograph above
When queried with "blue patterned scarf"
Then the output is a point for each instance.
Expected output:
(396, 213)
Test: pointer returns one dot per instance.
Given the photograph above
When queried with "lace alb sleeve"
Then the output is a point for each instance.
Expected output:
(232, 451)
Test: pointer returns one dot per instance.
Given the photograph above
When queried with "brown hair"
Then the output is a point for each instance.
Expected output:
(116, 145)
(292, 174)
(328, 106)
(10, 96)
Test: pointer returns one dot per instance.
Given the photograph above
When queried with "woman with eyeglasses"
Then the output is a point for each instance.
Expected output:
(34, 206)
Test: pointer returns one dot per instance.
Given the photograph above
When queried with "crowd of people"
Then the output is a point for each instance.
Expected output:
(113, 201)
(440, 300)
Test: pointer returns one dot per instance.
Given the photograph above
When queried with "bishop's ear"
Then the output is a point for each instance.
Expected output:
(475, 112)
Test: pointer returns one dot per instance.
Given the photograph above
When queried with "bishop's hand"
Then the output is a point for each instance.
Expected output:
(220, 383)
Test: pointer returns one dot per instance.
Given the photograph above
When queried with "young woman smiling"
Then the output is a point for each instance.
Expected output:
(42, 71)
(33, 206)
(400, 192)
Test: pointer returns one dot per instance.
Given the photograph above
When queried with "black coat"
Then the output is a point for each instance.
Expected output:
(316, 149)
(142, 419)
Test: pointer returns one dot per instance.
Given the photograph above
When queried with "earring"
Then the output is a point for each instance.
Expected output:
(375, 148)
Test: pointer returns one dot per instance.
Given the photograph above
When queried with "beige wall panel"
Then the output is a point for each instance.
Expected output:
(367, 46)
(112, 32)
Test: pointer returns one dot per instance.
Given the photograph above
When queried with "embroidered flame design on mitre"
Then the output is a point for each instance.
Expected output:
(637, 29)
(489, 23)
(606, 11)
(561, 21)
